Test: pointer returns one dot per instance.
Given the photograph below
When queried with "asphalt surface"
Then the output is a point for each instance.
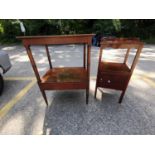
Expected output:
(67, 112)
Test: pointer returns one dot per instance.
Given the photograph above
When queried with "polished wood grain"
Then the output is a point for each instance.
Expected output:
(48, 56)
(67, 74)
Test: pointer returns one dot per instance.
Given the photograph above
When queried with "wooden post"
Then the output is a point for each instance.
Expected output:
(88, 72)
(33, 63)
(84, 56)
(136, 58)
(100, 58)
(127, 55)
(48, 56)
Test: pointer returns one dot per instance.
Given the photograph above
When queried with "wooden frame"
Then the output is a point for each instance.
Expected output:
(61, 78)
(117, 75)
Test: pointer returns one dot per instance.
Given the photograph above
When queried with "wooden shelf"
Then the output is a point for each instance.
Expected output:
(113, 67)
(67, 74)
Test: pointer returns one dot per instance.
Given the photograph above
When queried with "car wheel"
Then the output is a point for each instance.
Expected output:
(1, 84)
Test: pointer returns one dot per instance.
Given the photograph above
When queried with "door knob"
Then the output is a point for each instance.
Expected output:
(109, 81)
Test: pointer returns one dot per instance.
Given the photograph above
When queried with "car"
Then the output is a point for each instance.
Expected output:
(5, 65)
(99, 37)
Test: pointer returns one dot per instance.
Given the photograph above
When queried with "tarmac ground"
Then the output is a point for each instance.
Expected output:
(23, 110)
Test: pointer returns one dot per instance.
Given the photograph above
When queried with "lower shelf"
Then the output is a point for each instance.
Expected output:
(67, 74)
(65, 78)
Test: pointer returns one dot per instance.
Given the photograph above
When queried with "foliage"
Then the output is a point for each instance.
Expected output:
(143, 28)
(103, 26)
(9, 30)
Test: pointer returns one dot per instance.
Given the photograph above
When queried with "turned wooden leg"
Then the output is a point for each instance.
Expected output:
(95, 92)
(44, 96)
(87, 96)
(121, 97)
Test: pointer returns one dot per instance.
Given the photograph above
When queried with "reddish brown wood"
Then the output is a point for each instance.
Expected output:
(56, 40)
(61, 78)
(117, 75)
(84, 56)
(88, 72)
(67, 74)
(33, 63)
(127, 55)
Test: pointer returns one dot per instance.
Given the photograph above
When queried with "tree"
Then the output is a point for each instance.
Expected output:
(142, 28)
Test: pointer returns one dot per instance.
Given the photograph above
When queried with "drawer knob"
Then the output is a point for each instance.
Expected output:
(109, 81)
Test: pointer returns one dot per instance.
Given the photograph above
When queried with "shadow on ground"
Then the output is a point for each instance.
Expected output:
(69, 115)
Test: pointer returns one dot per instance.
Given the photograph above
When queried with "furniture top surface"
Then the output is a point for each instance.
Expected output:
(56, 39)
(54, 36)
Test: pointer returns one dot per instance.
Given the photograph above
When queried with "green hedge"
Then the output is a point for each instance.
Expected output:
(143, 28)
